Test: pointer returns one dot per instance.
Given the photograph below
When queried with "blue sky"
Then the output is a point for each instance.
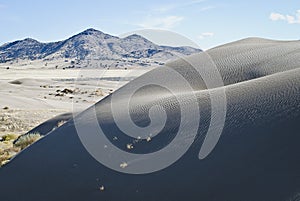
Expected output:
(206, 22)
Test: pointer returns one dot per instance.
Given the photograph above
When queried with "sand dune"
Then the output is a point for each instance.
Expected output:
(256, 158)
(250, 58)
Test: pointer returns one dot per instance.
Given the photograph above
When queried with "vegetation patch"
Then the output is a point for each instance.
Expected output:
(11, 144)
(25, 140)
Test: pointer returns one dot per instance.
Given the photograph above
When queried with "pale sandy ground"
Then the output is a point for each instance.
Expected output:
(29, 97)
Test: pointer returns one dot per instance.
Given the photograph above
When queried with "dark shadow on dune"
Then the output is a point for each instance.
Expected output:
(51, 124)
(17, 82)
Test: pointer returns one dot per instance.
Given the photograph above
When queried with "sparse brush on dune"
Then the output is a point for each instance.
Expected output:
(26, 140)
(7, 150)
(4, 159)
(9, 137)
(7, 154)
(12, 144)
(60, 123)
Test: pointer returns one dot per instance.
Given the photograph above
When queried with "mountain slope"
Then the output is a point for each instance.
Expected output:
(91, 45)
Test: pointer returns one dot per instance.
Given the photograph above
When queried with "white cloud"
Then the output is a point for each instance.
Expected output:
(165, 8)
(158, 16)
(163, 16)
(173, 6)
(292, 19)
(277, 16)
(161, 22)
(288, 18)
(206, 35)
(207, 8)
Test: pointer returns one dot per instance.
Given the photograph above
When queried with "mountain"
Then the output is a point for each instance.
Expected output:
(92, 46)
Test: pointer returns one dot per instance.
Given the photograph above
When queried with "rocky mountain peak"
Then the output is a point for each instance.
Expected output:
(92, 44)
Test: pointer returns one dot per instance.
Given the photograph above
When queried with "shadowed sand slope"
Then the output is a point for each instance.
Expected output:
(51, 124)
(256, 158)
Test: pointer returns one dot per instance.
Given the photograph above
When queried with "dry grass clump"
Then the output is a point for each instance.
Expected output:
(10, 145)
(60, 123)
(25, 140)
(14, 123)
(9, 122)
(8, 137)
(7, 154)
(7, 150)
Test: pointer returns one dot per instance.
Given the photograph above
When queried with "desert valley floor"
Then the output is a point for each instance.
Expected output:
(32, 96)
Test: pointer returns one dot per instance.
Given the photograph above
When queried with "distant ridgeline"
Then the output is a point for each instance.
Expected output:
(93, 48)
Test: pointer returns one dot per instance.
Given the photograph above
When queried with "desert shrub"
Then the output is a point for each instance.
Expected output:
(4, 159)
(26, 140)
(7, 154)
(60, 123)
(9, 137)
